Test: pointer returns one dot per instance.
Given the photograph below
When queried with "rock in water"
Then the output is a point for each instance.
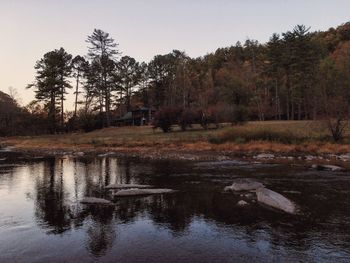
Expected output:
(95, 201)
(244, 185)
(324, 167)
(127, 186)
(242, 203)
(275, 200)
(344, 157)
(136, 192)
(264, 156)
(106, 154)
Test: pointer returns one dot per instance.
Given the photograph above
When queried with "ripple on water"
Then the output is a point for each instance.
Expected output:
(197, 224)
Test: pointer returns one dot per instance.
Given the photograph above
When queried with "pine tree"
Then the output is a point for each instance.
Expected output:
(103, 52)
(51, 82)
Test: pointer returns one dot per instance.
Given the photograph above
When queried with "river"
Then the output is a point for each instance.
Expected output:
(42, 220)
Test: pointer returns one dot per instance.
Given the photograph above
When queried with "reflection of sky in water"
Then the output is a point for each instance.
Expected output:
(42, 220)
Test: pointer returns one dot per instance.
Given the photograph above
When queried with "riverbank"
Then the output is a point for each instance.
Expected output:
(283, 140)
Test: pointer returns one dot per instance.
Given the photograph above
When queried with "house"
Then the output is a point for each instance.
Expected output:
(138, 117)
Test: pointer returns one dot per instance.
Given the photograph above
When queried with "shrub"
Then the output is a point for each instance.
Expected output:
(215, 139)
(239, 115)
(240, 140)
(85, 121)
(166, 117)
(190, 116)
(244, 135)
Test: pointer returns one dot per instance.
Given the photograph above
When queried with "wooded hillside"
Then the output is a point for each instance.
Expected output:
(297, 75)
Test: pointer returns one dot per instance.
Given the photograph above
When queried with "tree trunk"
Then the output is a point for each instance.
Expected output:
(128, 96)
(108, 121)
(299, 111)
(288, 96)
(62, 110)
(52, 112)
(76, 96)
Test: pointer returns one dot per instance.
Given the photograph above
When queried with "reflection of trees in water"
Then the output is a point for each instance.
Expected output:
(175, 212)
(101, 232)
(51, 206)
(100, 172)
(58, 214)
(165, 210)
(95, 178)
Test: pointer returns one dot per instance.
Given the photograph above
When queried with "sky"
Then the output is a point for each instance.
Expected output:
(144, 28)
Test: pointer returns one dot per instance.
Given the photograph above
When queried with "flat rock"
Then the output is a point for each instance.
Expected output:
(106, 154)
(264, 156)
(249, 196)
(275, 200)
(244, 184)
(309, 157)
(344, 157)
(137, 192)
(128, 186)
(242, 203)
(95, 201)
(325, 167)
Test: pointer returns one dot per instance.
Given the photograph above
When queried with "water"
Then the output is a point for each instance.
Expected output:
(41, 219)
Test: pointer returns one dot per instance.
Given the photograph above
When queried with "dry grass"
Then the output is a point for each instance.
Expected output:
(288, 132)
(117, 136)
(282, 137)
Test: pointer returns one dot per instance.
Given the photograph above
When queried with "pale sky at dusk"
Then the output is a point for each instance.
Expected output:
(30, 28)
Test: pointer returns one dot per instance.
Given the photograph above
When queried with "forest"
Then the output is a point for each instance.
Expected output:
(296, 75)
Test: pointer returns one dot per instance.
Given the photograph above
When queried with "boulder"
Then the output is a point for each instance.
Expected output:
(106, 154)
(264, 156)
(325, 167)
(275, 200)
(244, 185)
(309, 157)
(138, 192)
(344, 157)
(242, 203)
(249, 196)
(127, 186)
(95, 201)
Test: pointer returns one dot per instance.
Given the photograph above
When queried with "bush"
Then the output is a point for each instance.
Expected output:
(239, 115)
(240, 136)
(85, 121)
(240, 140)
(212, 115)
(215, 140)
(166, 117)
(189, 117)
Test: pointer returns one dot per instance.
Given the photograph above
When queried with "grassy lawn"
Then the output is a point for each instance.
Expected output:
(275, 136)
(124, 136)
(288, 132)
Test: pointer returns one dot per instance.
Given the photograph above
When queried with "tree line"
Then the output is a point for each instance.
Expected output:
(298, 75)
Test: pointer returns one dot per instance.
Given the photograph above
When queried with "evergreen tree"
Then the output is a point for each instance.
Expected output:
(51, 82)
(103, 52)
(79, 66)
(129, 75)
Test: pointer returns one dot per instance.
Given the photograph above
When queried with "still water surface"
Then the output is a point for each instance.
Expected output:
(41, 219)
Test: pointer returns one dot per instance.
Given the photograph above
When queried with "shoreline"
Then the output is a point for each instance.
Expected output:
(195, 144)
(258, 151)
